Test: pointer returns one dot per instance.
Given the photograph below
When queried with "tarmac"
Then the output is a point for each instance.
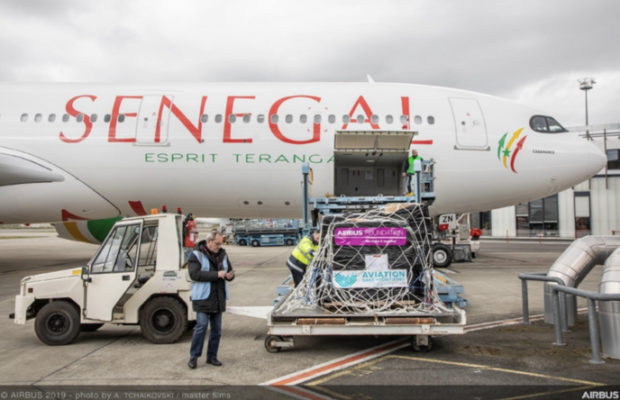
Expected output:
(497, 357)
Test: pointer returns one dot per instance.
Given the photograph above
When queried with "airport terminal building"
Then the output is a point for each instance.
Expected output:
(590, 208)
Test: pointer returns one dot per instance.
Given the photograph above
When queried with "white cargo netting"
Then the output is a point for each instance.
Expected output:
(377, 262)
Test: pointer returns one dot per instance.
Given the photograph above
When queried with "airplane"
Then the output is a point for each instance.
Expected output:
(82, 156)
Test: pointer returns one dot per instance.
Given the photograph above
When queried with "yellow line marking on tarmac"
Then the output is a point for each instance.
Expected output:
(457, 364)
(496, 369)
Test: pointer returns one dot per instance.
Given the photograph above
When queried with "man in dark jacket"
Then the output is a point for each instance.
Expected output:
(209, 269)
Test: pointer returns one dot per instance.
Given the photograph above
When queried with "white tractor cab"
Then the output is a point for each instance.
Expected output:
(454, 240)
(136, 277)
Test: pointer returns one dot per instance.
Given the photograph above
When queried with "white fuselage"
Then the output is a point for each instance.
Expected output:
(93, 151)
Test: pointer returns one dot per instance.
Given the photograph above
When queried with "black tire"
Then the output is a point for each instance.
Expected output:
(242, 242)
(290, 242)
(270, 343)
(255, 243)
(90, 327)
(442, 255)
(163, 320)
(57, 323)
(421, 348)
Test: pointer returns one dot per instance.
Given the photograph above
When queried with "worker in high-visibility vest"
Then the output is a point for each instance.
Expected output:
(302, 255)
(408, 170)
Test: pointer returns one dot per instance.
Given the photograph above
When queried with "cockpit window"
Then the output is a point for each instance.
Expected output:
(544, 124)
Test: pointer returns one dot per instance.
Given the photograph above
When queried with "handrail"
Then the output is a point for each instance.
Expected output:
(592, 316)
(540, 276)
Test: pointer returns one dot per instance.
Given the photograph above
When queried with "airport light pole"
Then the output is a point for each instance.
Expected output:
(586, 84)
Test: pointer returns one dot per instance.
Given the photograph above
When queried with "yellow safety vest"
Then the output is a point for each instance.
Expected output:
(304, 252)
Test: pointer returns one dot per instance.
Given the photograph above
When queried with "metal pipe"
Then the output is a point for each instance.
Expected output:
(609, 311)
(574, 264)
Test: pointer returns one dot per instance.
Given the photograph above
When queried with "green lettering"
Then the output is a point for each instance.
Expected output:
(148, 157)
(162, 157)
(176, 157)
(281, 158)
(297, 158)
(236, 157)
(331, 159)
(191, 157)
(313, 158)
(249, 158)
(264, 158)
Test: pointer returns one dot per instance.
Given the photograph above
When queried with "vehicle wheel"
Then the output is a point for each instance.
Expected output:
(289, 242)
(270, 343)
(442, 255)
(421, 348)
(57, 323)
(255, 243)
(163, 320)
(242, 242)
(90, 327)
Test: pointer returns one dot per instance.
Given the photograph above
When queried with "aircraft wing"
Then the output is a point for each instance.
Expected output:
(15, 170)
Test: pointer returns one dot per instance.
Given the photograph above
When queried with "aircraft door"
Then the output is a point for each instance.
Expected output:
(112, 271)
(471, 131)
(152, 127)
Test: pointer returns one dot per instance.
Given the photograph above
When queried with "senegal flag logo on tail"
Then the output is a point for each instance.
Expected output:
(507, 151)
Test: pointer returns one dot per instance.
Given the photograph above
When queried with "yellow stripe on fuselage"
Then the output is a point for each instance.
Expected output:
(514, 137)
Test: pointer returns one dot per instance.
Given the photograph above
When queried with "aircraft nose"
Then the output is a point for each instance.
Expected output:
(592, 158)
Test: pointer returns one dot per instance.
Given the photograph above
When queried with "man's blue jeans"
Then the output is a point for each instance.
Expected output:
(200, 330)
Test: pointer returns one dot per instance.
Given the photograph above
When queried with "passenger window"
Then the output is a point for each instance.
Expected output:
(232, 118)
(93, 118)
(417, 119)
(374, 119)
(331, 119)
(274, 119)
(288, 119)
(24, 117)
(38, 117)
(218, 118)
(260, 118)
(403, 119)
(389, 119)
(346, 119)
(107, 118)
(246, 118)
(431, 120)
(80, 117)
(317, 118)
(118, 253)
(360, 119)
(204, 118)
(51, 118)
(65, 117)
(303, 118)
(121, 118)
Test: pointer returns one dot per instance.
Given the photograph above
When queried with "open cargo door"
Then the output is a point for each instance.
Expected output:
(369, 163)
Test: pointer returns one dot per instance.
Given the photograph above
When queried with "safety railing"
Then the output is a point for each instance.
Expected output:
(592, 298)
(541, 277)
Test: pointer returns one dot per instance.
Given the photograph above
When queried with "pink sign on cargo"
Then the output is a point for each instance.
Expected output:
(379, 236)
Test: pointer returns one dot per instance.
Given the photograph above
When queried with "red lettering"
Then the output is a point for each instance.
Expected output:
(366, 108)
(114, 119)
(227, 124)
(196, 131)
(316, 127)
(74, 113)
(404, 101)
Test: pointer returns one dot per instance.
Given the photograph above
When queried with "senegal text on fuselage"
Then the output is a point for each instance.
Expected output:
(129, 106)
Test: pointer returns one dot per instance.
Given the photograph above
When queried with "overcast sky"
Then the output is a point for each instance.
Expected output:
(532, 51)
